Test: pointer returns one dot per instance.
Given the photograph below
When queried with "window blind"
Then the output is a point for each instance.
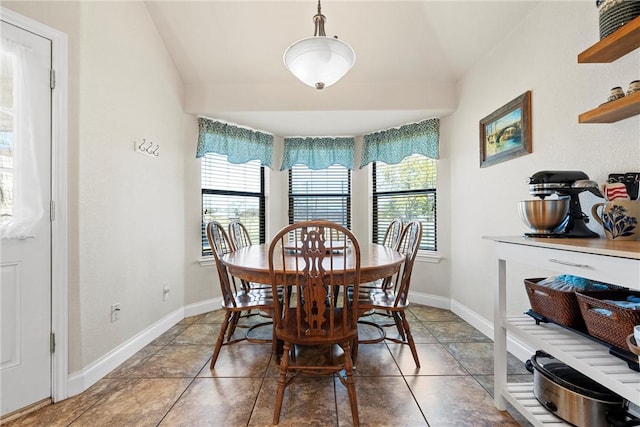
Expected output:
(320, 194)
(232, 191)
(406, 190)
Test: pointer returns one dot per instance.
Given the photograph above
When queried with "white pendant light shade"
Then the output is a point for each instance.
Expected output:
(319, 61)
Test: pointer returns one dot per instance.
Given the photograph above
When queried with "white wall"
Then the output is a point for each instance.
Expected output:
(539, 55)
(131, 206)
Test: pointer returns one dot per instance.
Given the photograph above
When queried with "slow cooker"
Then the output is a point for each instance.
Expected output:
(574, 397)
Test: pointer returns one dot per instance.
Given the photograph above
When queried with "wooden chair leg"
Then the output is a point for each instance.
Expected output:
(354, 349)
(220, 340)
(233, 322)
(399, 324)
(351, 385)
(282, 382)
(412, 344)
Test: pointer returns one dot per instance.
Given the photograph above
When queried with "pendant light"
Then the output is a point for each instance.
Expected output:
(319, 61)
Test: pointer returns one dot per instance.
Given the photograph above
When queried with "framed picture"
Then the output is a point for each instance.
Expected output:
(506, 133)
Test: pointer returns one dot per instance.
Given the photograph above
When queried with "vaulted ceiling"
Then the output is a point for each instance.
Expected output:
(409, 56)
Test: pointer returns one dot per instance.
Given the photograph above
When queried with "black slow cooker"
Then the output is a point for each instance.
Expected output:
(574, 397)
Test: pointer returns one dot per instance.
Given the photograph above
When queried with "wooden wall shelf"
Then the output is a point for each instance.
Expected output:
(615, 45)
(613, 111)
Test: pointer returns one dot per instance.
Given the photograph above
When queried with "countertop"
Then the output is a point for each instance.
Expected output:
(617, 248)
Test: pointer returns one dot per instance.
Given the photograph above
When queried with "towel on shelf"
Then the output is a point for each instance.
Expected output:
(567, 282)
(625, 304)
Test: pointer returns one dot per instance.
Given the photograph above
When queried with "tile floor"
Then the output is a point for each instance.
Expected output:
(169, 383)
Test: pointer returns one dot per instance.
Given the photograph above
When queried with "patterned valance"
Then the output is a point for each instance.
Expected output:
(240, 145)
(392, 145)
(318, 153)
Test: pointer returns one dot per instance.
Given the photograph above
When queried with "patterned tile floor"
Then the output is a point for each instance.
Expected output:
(169, 383)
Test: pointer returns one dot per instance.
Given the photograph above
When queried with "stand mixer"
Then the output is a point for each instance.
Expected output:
(565, 184)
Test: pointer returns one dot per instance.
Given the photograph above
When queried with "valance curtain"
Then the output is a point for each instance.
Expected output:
(318, 153)
(393, 145)
(240, 145)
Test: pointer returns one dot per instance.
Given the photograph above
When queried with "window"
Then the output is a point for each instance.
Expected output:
(406, 190)
(232, 191)
(320, 194)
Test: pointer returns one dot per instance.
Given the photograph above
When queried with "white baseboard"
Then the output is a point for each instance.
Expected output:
(515, 346)
(78, 382)
(202, 307)
(430, 300)
(82, 380)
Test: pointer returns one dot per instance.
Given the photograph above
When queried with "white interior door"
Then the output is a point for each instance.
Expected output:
(25, 222)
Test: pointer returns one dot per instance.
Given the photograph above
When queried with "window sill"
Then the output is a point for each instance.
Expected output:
(206, 261)
(429, 257)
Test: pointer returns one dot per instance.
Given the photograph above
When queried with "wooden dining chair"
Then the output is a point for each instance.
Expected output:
(235, 299)
(240, 238)
(390, 304)
(391, 240)
(315, 309)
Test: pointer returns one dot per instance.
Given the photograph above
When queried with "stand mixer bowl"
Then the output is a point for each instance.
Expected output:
(545, 215)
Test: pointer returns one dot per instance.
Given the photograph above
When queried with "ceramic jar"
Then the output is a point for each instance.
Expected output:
(620, 219)
(634, 87)
(616, 93)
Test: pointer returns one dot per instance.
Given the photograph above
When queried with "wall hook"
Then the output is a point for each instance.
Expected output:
(147, 147)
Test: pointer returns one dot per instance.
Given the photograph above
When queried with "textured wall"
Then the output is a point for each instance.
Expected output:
(539, 55)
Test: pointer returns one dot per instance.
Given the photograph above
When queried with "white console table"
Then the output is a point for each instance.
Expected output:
(598, 259)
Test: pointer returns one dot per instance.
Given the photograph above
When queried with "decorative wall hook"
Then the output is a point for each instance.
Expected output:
(147, 147)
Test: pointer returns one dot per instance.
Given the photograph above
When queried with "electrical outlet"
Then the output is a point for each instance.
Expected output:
(165, 292)
(115, 312)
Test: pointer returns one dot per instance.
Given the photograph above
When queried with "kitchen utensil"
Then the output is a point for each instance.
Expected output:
(565, 184)
(543, 216)
(574, 397)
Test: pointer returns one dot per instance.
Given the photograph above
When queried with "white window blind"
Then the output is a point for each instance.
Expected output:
(320, 194)
(232, 191)
(406, 190)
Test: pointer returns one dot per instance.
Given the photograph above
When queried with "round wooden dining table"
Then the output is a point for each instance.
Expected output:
(251, 263)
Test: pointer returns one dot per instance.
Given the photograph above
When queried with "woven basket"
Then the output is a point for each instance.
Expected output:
(612, 329)
(558, 306)
(615, 13)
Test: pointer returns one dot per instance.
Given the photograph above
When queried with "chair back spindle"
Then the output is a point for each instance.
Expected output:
(238, 235)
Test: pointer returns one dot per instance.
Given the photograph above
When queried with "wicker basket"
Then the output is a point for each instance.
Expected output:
(558, 306)
(615, 13)
(612, 329)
